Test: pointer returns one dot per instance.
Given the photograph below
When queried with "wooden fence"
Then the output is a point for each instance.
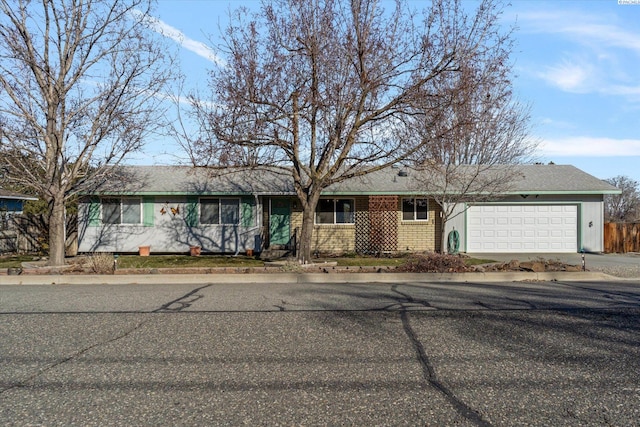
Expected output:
(28, 234)
(19, 235)
(621, 237)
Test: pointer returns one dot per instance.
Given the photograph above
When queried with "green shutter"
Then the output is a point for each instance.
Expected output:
(148, 204)
(191, 214)
(248, 211)
(94, 212)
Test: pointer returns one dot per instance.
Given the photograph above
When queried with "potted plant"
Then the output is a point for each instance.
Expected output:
(144, 250)
(195, 250)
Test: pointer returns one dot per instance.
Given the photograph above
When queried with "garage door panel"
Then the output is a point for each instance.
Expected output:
(522, 228)
(488, 221)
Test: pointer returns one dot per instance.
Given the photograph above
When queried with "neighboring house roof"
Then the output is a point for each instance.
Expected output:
(165, 180)
(4, 194)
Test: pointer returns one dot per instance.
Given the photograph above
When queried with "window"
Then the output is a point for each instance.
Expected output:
(335, 211)
(121, 211)
(414, 209)
(220, 211)
(209, 211)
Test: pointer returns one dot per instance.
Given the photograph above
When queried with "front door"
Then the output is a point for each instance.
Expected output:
(280, 221)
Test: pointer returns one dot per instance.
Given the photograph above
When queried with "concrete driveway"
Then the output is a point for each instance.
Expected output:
(620, 265)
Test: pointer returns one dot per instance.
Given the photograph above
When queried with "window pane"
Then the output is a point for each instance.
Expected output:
(324, 211)
(230, 211)
(407, 209)
(209, 211)
(344, 211)
(111, 211)
(131, 211)
(422, 209)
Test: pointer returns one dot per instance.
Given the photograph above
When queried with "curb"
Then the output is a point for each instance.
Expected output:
(295, 278)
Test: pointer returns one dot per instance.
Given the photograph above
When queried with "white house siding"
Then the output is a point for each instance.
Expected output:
(590, 218)
(591, 222)
(457, 221)
(169, 232)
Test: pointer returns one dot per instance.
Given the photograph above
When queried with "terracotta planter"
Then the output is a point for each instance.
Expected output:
(195, 250)
(144, 250)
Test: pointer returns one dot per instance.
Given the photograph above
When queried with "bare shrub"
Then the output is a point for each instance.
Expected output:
(101, 263)
(434, 263)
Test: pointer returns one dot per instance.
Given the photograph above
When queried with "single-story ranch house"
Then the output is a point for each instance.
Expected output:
(548, 208)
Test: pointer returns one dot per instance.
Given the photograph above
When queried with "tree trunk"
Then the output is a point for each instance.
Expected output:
(443, 239)
(306, 235)
(306, 232)
(57, 237)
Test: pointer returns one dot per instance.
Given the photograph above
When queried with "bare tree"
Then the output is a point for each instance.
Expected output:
(470, 152)
(79, 91)
(623, 207)
(327, 87)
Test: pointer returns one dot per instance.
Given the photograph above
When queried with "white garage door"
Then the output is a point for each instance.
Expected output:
(522, 228)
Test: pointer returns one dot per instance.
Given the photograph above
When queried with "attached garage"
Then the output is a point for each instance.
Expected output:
(522, 228)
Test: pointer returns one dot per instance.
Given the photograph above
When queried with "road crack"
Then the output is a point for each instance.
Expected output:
(71, 357)
(430, 376)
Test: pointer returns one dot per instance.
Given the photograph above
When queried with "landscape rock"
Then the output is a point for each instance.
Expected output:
(535, 266)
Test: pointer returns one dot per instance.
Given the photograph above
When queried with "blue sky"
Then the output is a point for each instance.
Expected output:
(577, 64)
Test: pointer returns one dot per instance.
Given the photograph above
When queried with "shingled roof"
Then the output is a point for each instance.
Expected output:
(164, 180)
(4, 194)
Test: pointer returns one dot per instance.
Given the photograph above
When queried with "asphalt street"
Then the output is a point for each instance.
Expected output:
(503, 354)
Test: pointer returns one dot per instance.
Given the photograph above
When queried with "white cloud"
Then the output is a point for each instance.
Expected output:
(604, 50)
(604, 35)
(584, 146)
(570, 76)
(555, 123)
(625, 90)
(195, 46)
(587, 29)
